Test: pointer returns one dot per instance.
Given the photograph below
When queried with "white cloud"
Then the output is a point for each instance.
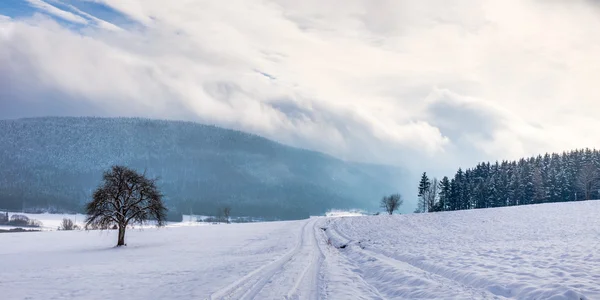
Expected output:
(53, 10)
(75, 15)
(99, 22)
(431, 85)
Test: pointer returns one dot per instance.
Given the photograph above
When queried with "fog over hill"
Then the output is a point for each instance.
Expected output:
(57, 162)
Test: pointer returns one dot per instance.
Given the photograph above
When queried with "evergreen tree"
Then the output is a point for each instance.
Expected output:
(514, 192)
(424, 191)
(527, 183)
(444, 195)
(568, 176)
(459, 189)
(480, 192)
(454, 195)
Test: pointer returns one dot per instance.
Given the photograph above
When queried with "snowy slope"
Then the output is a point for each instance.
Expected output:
(197, 164)
(546, 251)
(185, 263)
(549, 251)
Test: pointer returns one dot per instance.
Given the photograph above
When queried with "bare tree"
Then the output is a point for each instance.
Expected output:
(226, 213)
(67, 224)
(125, 197)
(587, 179)
(428, 194)
(391, 203)
(432, 195)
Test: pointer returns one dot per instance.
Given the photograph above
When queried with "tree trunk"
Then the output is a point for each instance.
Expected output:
(121, 236)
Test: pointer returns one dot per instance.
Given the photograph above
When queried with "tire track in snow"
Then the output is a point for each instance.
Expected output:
(309, 286)
(298, 278)
(340, 281)
(381, 266)
(286, 277)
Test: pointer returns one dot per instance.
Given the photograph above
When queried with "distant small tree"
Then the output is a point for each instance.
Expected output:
(391, 203)
(125, 197)
(67, 224)
(3, 218)
(226, 213)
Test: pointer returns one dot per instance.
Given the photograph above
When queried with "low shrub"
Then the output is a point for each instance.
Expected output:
(34, 223)
(67, 224)
(211, 220)
(23, 221)
(19, 220)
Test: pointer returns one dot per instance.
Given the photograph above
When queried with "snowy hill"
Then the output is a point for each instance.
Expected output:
(58, 161)
(548, 251)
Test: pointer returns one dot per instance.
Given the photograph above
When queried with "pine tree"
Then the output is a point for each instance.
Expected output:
(568, 176)
(444, 195)
(424, 191)
(527, 183)
(537, 180)
(459, 179)
(514, 193)
(480, 192)
(453, 200)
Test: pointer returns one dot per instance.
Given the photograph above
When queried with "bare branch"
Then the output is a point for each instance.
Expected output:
(391, 203)
(112, 202)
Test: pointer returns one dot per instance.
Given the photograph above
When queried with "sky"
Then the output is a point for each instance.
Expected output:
(427, 85)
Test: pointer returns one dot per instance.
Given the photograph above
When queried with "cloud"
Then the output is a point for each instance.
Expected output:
(99, 22)
(65, 15)
(428, 85)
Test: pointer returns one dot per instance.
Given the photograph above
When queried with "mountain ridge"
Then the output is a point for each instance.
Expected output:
(58, 161)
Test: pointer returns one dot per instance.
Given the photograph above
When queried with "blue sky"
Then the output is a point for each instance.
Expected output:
(16, 8)
(429, 85)
(66, 12)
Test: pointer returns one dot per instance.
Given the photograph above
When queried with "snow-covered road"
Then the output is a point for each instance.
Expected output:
(294, 275)
(533, 252)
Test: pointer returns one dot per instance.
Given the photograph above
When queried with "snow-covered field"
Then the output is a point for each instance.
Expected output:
(52, 222)
(549, 251)
(166, 263)
(531, 252)
(49, 221)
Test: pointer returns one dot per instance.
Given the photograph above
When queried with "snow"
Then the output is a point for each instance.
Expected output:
(165, 263)
(546, 251)
(344, 213)
(50, 221)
